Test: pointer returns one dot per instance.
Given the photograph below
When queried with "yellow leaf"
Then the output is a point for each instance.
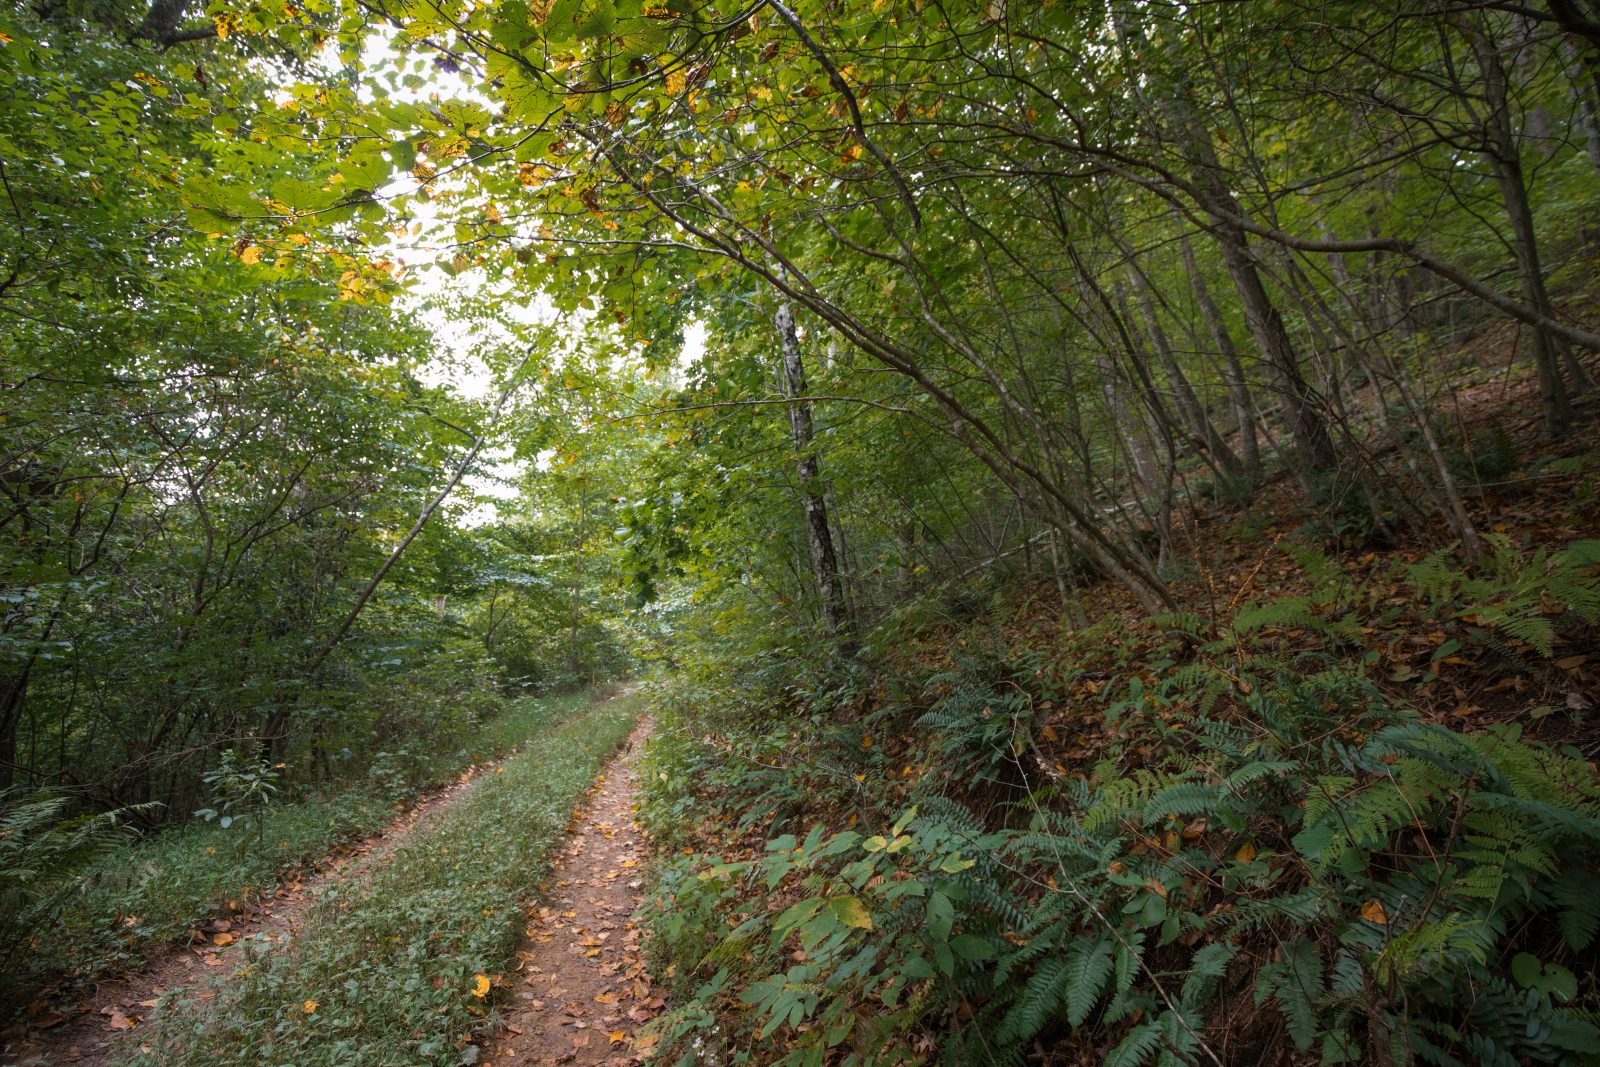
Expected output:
(1373, 912)
(617, 1036)
(309, 1006)
(850, 911)
(250, 254)
(1246, 853)
(222, 939)
(480, 986)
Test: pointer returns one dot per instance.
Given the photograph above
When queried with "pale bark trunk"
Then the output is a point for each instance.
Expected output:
(1265, 323)
(1190, 409)
(824, 562)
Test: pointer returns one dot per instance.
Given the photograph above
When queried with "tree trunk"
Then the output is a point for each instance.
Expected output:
(13, 696)
(1190, 409)
(1500, 145)
(1584, 74)
(1238, 385)
(574, 653)
(1262, 317)
(824, 562)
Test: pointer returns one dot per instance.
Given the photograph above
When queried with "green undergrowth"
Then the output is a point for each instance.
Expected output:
(1189, 841)
(126, 901)
(385, 969)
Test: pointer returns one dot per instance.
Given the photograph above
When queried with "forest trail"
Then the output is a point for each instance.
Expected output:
(581, 987)
(119, 1009)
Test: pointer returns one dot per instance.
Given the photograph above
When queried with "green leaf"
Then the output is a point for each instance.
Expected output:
(1525, 969)
(1089, 964)
(972, 947)
(941, 916)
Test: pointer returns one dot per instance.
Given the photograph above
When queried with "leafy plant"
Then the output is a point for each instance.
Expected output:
(241, 791)
(43, 850)
(1514, 592)
(1377, 885)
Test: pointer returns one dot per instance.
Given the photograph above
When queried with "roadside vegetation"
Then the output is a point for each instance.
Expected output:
(402, 965)
(133, 897)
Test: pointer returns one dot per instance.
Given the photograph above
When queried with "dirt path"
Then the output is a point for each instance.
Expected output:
(116, 1009)
(581, 989)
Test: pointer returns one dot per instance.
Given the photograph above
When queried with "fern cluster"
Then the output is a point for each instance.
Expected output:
(1388, 878)
(1516, 593)
(1280, 856)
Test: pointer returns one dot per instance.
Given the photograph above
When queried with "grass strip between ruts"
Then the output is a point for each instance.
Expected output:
(149, 893)
(137, 898)
(385, 967)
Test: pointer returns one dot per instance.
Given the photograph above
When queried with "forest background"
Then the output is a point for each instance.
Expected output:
(1140, 454)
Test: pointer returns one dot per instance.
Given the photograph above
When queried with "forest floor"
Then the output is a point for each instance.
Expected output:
(580, 984)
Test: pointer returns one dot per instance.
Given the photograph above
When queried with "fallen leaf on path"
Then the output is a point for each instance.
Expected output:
(46, 1017)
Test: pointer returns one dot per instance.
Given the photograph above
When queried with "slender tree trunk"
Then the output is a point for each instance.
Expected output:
(1238, 385)
(1265, 323)
(13, 698)
(1190, 409)
(1500, 145)
(824, 562)
(573, 651)
(1583, 74)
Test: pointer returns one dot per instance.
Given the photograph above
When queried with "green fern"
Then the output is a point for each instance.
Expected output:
(1137, 1046)
(1296, 981)
(1512, 590)
(1089, 964)
(1036, 1005)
